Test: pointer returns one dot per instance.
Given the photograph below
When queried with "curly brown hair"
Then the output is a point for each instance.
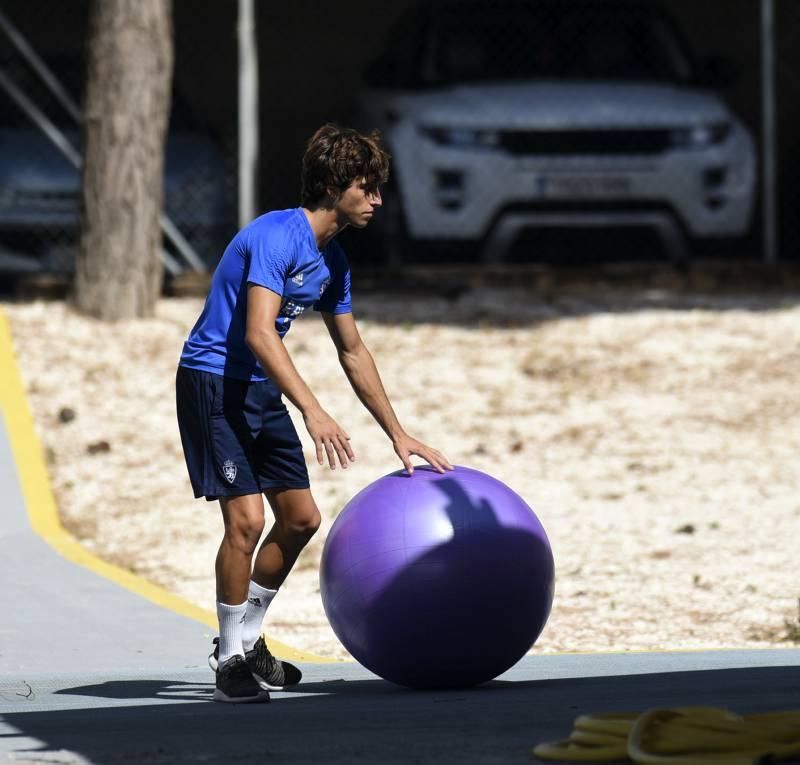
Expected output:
(337, 156)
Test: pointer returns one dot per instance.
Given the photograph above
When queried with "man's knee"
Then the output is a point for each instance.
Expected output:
(244, 529)
(303, 525)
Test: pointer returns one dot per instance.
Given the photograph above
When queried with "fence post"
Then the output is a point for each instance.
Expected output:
(770, 203)
(248, 112)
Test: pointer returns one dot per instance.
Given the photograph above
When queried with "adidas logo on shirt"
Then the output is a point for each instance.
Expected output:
(298, 280)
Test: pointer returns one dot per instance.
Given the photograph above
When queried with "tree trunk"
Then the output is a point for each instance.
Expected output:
(118, 270)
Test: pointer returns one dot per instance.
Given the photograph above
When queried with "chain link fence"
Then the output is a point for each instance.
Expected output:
(787, 83)
(566, 131)
(43, 63)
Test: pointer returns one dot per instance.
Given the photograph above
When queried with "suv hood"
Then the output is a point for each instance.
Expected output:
(557, 104)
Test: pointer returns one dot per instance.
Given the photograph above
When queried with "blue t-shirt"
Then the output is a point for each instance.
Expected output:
(277, 251)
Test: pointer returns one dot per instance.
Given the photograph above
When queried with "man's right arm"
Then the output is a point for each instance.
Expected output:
(263, 340)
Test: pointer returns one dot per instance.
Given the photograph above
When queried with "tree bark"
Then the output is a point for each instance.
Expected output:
(118, 269)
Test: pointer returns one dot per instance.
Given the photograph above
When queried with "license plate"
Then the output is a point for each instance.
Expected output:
(581, 186)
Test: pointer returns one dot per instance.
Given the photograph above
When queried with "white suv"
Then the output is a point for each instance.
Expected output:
(506, 115)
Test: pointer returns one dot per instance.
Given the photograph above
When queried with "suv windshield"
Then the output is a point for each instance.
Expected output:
(551, 42)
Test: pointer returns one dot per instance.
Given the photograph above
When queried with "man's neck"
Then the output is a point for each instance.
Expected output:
(324, 223)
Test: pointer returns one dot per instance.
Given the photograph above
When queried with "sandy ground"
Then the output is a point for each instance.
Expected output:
(656, 436)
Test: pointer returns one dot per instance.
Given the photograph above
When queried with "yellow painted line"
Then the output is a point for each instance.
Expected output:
(43, 513)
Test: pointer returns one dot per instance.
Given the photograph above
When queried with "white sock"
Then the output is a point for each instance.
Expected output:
(258, 600)
(231, 621)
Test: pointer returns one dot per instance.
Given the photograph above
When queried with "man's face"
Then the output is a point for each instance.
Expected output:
(358, 203)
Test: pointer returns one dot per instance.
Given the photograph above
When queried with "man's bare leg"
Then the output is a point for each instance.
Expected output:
(296, 521)
(244, 523)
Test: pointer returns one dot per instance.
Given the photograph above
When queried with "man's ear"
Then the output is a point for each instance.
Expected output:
(331, 198)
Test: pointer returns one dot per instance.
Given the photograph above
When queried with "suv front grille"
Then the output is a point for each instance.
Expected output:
(565, 142)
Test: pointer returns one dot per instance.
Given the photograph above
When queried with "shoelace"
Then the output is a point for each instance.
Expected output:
(267, 665)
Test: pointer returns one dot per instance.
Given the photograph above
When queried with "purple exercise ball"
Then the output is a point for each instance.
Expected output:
(437, 580)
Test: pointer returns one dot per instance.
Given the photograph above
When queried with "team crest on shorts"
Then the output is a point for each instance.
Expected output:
(229, 470)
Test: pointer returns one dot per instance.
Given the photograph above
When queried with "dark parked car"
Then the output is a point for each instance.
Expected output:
(40, 187)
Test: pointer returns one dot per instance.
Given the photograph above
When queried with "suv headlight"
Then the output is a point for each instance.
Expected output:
(700, 136)
(462, 138)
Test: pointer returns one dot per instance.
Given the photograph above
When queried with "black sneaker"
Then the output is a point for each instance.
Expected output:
(236, 685)
(270, 673)
(213, 657)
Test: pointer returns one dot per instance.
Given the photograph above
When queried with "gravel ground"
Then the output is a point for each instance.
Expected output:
(656, 436)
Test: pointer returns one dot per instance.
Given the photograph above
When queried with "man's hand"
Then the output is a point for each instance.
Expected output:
(405, 446)
(329, 438)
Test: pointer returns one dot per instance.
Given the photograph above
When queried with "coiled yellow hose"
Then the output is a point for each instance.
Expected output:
(679, 736)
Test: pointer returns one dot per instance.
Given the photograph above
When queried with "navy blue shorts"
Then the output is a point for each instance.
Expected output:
(237, 436)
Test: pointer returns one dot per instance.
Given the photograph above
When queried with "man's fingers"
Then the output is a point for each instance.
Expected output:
(437, 463)
(346, 453)
(443, 461)
(436, 459)
(331, 455)
(335, 445)
(342, 452)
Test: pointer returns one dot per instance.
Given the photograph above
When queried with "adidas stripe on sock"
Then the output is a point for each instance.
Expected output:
(258, 600)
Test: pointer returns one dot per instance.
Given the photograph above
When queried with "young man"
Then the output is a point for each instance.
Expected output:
(237, 436)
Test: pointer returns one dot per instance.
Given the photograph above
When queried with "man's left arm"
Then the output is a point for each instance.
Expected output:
(359, 366)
